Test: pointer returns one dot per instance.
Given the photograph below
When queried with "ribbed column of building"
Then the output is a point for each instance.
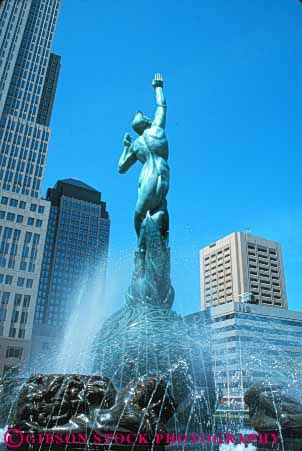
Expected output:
(28, 80)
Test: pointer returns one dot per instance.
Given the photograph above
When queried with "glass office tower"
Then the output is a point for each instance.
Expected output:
(28, 80)
(250, 343)
(75, 256)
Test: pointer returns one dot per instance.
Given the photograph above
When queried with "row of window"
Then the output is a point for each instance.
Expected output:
(214, 295)
(262, 255)
(223, 253)
(262, 249)
(222, 284)
(263, 272)
(262, 265)
(13, 332)
(19, 219)
(15, 316)
(21, 204)
(263, 330)
(7, 279)
(17, 301)
(19, 316)
(15, 353)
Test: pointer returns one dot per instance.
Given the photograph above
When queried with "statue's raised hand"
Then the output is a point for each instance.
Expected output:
(127, 140)
(158, 80)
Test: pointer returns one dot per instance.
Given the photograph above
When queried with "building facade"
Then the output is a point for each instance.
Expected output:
(28, 79)
(75, 254)
(250, 343)
(242, 268)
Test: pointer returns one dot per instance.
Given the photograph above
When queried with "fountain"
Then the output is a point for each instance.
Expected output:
(149, 375)
(146, 337)
(147, 382)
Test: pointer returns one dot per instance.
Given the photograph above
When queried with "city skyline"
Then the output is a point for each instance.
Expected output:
(233, 123)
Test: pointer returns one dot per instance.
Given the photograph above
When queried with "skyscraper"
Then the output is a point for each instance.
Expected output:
(75, 252)
(28, 79)
(242, 268)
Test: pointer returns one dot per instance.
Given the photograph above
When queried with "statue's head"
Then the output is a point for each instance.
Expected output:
(140, 123)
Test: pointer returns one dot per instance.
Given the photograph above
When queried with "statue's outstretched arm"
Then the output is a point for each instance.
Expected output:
(128, 157)
(160, 113)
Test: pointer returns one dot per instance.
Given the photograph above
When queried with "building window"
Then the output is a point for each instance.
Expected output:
(22, 204)
(12, 334)
(10, 216)
(21, 333)
(24, 317)
(8, 280)
(14, 352)
(13, 202)
(33, 207)
(2, 314)
(41, 209)
(20, 281)
(26, 301)
(38, 223)
(30, 221)
(20, 219)
(5, 297)
(18, 299)
(29, 283)
(4, 200)
(15, 316)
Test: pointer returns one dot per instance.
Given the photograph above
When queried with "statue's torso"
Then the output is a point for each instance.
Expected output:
(152, 142)
(151, 149)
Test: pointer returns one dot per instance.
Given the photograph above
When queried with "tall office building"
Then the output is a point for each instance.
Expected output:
(28, 79)
(242, 268)
(75, 255)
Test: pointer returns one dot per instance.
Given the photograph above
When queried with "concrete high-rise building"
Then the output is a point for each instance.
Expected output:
(76, 251)
(242, 268)
(28, 79)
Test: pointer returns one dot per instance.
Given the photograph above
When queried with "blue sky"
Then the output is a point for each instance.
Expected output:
(233, 85)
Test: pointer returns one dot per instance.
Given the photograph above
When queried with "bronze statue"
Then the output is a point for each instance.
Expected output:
(151, 284)
(275, 407)
(151, 149)
(72, 402)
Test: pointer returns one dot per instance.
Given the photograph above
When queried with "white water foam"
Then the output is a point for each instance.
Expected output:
(2, 431)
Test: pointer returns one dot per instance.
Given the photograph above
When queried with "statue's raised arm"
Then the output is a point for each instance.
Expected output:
(161, 110)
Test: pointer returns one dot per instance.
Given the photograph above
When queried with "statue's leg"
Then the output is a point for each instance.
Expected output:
(140, 214)
(160, 216)
(152, 198)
